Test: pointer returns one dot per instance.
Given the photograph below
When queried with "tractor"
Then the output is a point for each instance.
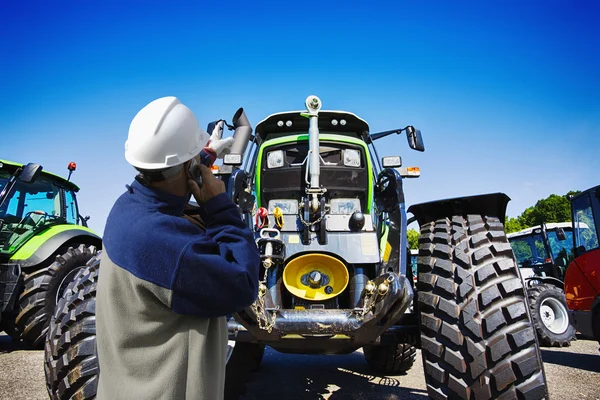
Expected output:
(330, 221)
(582, 279)
(543, 253)
(44, 241)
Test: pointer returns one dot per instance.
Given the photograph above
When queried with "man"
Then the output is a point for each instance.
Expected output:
(166, 284)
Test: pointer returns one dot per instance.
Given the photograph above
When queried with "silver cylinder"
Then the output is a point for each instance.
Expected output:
(315, 161)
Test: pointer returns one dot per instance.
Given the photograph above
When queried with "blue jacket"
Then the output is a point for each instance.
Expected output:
(211, 273)
(164, 288)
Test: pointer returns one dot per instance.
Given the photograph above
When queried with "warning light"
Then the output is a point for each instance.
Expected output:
(410, 172)
(71, 167)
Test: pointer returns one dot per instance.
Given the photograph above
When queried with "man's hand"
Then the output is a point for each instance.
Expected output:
(211, 186)
(218, 145)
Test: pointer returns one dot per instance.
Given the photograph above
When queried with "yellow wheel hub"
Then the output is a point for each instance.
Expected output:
(315, 277)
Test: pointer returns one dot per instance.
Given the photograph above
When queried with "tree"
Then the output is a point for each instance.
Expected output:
(512, 225)
(553, 208)
(413, 239)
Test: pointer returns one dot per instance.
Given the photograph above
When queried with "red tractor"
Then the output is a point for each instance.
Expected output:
(582, 279)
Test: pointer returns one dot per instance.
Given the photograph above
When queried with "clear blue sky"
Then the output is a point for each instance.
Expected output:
(507, 95)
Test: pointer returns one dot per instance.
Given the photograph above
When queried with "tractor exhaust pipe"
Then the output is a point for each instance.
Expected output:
(242, 133)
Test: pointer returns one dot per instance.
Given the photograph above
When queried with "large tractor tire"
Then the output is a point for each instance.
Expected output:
(42, 290)
(548, 307)
(392, 359)
(71, 362)
(477, 338)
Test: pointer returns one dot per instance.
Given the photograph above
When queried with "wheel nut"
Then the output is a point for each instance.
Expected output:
(314, 279)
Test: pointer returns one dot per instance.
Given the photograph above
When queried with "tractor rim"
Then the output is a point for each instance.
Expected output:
(65, 283)
(554, 315)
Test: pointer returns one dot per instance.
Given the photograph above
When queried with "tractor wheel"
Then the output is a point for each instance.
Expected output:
(242, 359)
(390, 359)
(70, 360)
(548, 307)
(477, 338)
(42, 290)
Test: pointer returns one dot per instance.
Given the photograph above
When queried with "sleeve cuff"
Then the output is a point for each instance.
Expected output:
(208, 155)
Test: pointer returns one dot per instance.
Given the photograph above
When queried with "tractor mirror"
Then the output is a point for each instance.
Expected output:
(560, 234)
(391, 162)
(232, 159)
(415, 140)
(30, 173)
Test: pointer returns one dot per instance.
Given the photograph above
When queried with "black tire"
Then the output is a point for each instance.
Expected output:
(548, 301)
(70, 359)
(477, 338)
(390, 359)
(42, 287)
(244, 360)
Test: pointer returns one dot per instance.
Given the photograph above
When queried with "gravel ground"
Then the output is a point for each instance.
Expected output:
(572, 373)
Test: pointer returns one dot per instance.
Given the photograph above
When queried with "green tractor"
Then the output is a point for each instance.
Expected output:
(44, 241)
(330, 223)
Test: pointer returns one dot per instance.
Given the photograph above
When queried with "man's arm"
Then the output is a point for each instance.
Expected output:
(217, 273)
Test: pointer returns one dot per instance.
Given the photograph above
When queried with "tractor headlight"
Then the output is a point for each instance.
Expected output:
(351, 158)
(275, 159)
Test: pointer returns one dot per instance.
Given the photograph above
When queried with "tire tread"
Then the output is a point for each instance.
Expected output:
(476, 334)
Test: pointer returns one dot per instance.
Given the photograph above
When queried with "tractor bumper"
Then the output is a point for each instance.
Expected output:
(328, 330)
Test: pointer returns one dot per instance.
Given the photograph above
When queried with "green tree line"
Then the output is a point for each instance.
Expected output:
(554, 208)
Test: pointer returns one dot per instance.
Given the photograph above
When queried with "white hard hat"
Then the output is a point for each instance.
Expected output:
(163, 134)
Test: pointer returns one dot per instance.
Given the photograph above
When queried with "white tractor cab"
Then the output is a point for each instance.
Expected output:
(543, 254)
(543, 251)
